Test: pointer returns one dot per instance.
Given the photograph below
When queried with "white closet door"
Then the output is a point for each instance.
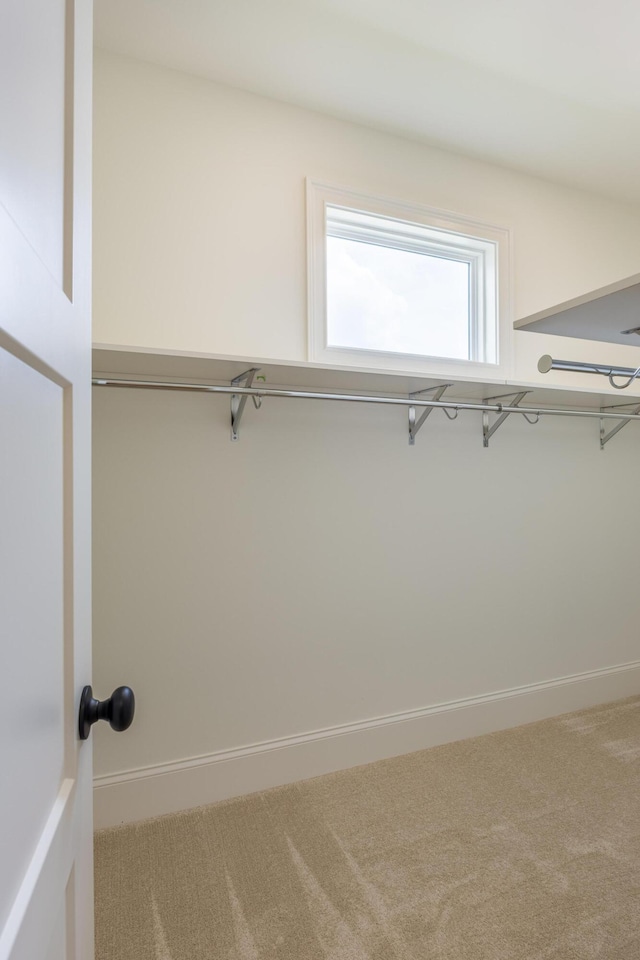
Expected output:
(45, 237)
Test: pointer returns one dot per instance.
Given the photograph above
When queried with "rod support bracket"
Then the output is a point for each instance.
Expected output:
(605, 437)
(488, 431)
(415, 425)
(238, 402)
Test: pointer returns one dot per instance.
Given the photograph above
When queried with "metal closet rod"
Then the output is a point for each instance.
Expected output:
(547, 363)
(358, 398)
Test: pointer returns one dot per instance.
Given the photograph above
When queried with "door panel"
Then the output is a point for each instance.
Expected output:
(32, 601)
(32, 156)
(58, 943)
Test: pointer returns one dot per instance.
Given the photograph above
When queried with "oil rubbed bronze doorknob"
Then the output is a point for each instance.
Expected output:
(118, 710)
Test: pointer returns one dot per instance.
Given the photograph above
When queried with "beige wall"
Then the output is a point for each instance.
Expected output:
(321, 572)
(200, 218)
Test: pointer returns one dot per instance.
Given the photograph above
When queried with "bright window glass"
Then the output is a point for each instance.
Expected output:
(397, 300)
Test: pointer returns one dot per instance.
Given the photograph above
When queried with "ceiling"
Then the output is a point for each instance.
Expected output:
(551, 88)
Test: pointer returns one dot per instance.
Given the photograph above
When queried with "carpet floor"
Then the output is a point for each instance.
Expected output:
(518, 845)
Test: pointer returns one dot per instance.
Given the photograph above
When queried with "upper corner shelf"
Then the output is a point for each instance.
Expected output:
(610, 314)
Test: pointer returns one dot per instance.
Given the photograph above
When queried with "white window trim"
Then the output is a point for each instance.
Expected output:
(319, 196)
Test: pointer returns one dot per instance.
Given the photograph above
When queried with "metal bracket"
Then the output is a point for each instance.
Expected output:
(414, 425)
(238, 402)
(605, 437)
(487, 431)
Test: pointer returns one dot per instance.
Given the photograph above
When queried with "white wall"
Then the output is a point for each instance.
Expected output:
(200, 218)
(321, 572)
(268, 599)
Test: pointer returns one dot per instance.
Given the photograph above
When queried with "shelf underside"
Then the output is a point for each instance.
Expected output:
(604, 315)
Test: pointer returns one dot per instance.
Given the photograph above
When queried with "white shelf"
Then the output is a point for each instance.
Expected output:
(111, 361)
(600, 315)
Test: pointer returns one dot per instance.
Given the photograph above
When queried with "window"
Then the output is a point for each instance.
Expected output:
(401, 287)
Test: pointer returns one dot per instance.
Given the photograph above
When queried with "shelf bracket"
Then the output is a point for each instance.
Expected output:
(488, 431)
(238, 402)
(605, 437)
(414, 425)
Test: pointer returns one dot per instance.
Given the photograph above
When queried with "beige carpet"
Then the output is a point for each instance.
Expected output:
(520, 844)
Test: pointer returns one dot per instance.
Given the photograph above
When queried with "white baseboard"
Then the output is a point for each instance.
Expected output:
(166, 788)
